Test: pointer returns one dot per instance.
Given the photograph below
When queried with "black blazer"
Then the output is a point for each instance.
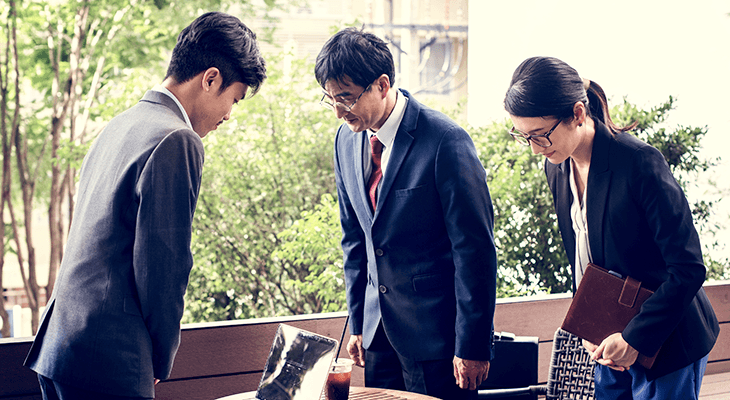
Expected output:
(640, 225)
(112, 324)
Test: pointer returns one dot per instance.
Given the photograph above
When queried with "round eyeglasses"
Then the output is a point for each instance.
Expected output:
(542, 140)
(328, 103)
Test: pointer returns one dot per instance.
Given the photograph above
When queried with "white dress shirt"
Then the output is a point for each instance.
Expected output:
(580, 229)
(386, 135)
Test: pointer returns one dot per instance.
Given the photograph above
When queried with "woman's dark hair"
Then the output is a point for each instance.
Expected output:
(222, 41)
(361, 56)
(548, 87)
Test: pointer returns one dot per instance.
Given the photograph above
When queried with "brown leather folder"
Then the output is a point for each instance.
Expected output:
(603, 305)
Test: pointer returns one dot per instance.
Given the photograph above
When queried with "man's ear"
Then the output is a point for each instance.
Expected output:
(383, 84)
(211, 79)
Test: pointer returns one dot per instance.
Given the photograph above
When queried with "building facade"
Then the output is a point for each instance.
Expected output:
(428, 39)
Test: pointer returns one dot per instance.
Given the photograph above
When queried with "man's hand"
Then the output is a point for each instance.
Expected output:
(354, 348)
(470, 374)
(614, 352)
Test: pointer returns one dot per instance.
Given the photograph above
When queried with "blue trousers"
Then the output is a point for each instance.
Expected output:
(385, 368)
(53, 390)
(632, 385)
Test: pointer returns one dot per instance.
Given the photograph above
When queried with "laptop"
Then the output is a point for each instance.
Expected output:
(297, 366)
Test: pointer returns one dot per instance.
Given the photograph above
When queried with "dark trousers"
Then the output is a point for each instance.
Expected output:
(53, 390)
(385, 368)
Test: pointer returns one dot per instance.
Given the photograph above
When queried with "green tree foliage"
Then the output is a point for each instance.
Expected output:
(267, 226)
(266, 233)
(263, 169)
(529, 246)
(80, 63)
(313, 242)
(529, 249)
(681, 148)
(67, 54)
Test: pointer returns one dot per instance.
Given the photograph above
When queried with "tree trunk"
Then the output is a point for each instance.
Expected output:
(54, 209)
(5, 330)
(30, 288)
(27, 185)
(62, 107)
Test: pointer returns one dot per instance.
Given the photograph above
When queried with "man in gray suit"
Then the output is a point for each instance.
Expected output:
(112, 326)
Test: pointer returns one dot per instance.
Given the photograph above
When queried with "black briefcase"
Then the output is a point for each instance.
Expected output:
(514, 364)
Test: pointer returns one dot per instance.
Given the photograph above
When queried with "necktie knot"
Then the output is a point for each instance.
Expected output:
(377, 148)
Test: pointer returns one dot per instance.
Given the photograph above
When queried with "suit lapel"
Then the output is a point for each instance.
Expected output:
(599, 181)
(565, 200)
(359, 143)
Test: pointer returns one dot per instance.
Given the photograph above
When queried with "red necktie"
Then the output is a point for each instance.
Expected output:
(377, 173)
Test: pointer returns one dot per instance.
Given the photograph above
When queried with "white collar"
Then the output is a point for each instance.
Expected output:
(386, 133)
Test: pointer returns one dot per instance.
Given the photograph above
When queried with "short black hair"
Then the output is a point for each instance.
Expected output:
(219, 40)
(353, 53)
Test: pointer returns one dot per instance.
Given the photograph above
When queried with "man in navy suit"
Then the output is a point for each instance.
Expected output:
(112, 326)
(417, 221)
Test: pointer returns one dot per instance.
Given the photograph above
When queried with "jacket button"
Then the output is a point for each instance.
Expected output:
(383, 289)
(379, 252)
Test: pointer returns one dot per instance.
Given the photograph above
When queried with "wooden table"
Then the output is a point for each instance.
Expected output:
(356, 393)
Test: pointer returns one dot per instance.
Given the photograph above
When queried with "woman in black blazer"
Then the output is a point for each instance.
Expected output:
(619, 207)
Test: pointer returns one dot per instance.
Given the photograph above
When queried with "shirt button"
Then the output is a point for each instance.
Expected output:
(379, 252)
(383, 289)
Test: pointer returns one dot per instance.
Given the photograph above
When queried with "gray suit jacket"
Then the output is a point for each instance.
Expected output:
(113, 321)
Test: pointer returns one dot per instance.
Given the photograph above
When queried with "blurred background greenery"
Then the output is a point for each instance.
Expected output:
(266, 231)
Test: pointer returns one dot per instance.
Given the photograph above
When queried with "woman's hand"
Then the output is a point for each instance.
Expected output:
(614, 352)
(590, 346)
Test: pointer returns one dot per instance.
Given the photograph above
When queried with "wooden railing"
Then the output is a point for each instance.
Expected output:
(222, 358)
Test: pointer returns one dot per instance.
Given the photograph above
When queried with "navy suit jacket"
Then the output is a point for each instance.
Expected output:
(425, 262)
(640, 225)
(112, 324)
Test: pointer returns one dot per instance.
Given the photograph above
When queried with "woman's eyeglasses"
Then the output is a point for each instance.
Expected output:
(542, 140)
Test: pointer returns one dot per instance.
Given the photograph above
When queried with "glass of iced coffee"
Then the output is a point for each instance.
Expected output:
(338, 381)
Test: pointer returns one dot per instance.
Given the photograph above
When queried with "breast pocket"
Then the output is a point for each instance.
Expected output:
(419, 202)
(419, 209)
(432, 282)
(413, 192)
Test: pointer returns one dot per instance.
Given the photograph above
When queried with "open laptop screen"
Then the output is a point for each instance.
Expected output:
(297, 366)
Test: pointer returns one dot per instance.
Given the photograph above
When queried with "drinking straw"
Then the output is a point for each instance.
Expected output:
(337, 355)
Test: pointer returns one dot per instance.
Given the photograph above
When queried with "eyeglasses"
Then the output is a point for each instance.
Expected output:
(542, 140)
(327, 102)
